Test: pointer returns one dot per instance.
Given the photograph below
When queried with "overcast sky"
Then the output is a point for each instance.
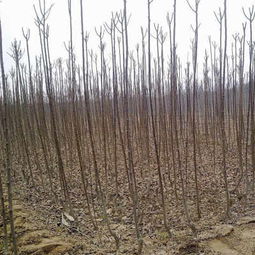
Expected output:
(16, 14)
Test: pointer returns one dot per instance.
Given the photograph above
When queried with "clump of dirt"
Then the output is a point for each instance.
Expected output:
(49, 245)
(222, 247)
(239, 241)
(33, 238)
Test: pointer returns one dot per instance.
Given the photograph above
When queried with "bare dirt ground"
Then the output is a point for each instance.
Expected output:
(37, 238)
(240, 240)
(40, 228)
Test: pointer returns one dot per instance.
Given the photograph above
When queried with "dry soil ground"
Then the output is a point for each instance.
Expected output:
(34, 237)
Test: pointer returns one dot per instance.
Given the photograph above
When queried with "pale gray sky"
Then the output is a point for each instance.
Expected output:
(16, 14)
